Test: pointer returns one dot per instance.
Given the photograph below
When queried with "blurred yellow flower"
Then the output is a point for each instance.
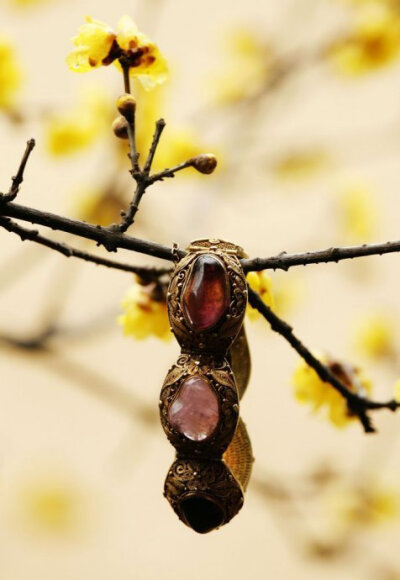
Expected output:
(97, 205)
(397, 391)
(98, 45)
(261, 283)
(309, 389)
(358, 213)
(145, 312)
(373, 44)
(50, 507)
(76, 129)
(10, 74)
(289, 291)
(375, 335)
(247, 68)
(301, 164)
(363, 505)
(26, 3)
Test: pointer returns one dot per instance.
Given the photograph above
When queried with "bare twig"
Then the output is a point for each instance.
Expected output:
(285, 261)
(68, 251)
(170, 172)
(160, 125)
(19, 177)
(111, 240)
(357, 404)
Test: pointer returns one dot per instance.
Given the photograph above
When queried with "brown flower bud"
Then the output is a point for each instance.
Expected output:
(205, 163)
(120, 127)
(126, 105)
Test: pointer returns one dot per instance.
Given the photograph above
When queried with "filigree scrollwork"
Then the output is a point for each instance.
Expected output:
(199, 402)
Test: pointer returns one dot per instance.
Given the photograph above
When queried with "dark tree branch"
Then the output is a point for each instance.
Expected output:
(357, 404)
(68, 251)
(160, 125)
(170, 172)
(285, 261)
(19, 177)
(111, 240)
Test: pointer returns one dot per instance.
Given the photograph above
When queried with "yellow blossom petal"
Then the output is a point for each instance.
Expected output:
(143, 316)
(10, 74)
(93, 42)
(374, 43)
(80, 127)
(128, 34)
(247, 68)
(363, 505)
(309, 389)
(27, 3)
(375, 335)
(261, 283)
(300, 164)
(358, 213)
(97, 44)
(96, 205)
(397, 391)
(150, 66)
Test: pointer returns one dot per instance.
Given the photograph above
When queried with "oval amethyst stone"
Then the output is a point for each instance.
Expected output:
(205, 298)
(195, 411)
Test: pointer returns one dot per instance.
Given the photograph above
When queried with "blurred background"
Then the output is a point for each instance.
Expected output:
(299, 101)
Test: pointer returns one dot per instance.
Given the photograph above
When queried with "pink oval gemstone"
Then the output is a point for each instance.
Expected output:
(195, 411)
(206, 295)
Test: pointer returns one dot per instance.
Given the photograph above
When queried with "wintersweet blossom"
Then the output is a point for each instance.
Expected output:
(10, 74)
(247, 68)
(98, 204)
(310, 389)
(373, 44)
(145, 312)
(358, 213)
(98, 45)
(261, 283)
(79, 127)
(375, 336)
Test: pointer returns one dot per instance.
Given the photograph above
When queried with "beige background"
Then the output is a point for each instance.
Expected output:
(57, 427)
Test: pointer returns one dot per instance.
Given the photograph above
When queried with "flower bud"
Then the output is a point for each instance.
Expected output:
(205, 163)
(120, 127)
(126, 105)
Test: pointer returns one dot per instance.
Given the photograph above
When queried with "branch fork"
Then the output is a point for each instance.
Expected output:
(114, 237)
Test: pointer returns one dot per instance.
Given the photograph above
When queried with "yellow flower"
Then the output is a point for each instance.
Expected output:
(248, 67)
(96, 205)
(10, 74)
(300, 164)
(375, 336)
(145, 312)
(70, 132)
(27, 3)
(358, 213)
(261, 283)
(98, 45)
(362, 505)
(397, 391)
(309, 389)
(374, 43)
(289, 291)
(51, 507)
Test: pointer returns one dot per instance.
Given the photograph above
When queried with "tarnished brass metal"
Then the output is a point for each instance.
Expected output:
(205, 484)
(218, 339)
(220, 377)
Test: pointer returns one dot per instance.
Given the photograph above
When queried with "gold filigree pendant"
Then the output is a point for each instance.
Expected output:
(199, 402)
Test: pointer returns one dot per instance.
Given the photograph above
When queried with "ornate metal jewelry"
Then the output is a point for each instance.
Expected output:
(199, 402)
